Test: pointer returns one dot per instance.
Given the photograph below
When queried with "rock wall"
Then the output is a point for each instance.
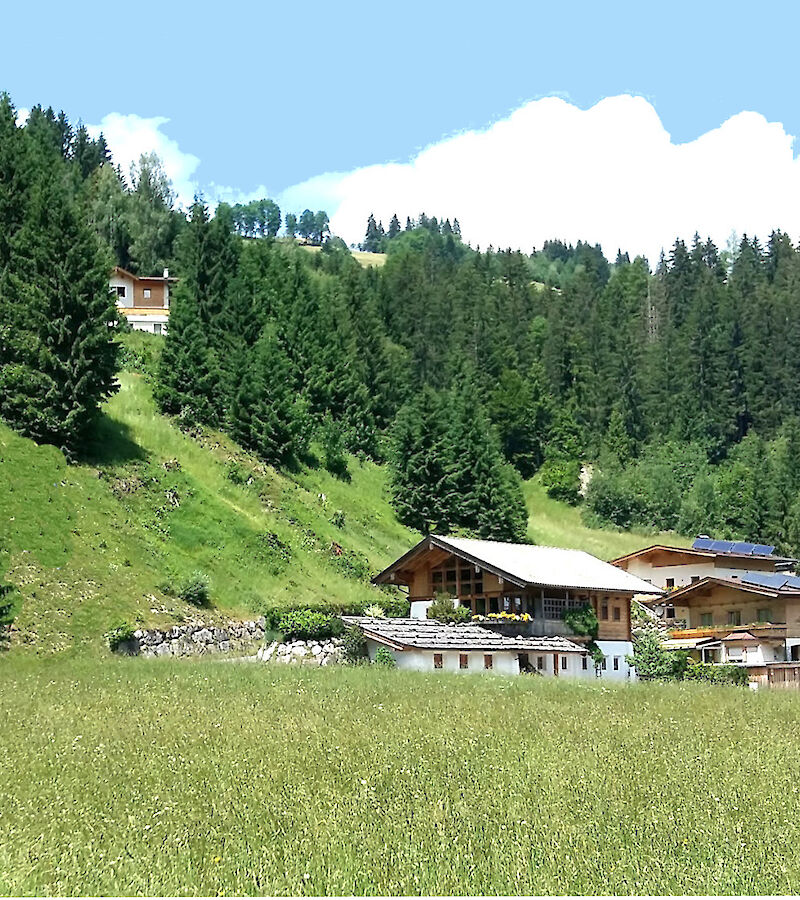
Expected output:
(196, 638)
(314, 653)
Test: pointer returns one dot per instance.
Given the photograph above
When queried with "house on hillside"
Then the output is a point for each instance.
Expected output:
(671, 568)
(531, 587)
(143, 301)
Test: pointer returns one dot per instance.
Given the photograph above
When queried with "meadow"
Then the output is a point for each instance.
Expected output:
(163, 777)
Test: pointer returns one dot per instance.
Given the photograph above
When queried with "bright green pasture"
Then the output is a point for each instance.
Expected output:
(166, 777)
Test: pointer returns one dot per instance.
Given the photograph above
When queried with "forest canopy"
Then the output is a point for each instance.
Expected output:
(466, 370)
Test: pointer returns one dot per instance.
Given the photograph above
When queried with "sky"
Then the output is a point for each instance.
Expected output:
(623, 123)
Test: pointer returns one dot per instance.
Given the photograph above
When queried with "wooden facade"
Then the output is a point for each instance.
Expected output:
(483, 593)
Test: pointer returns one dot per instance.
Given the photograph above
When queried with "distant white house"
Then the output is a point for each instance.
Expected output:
(426, 645)
(143, 301)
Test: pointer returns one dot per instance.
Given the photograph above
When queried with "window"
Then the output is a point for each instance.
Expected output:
(450, 582)
(584, 662)
(706, 619)
(734, 617)
(119, 290)
(494, 604)
(604, 611)
(540, 662)
(553, 607)
(670, 584)
(563, 662)
(480, 606)
(487, 661)
(463, 660)
(617, 614)
(437, 660)
(603, 664)
(670, 612)
(146, 293)
(157, 328)
(765, 615)
(695, 579)
(616, 664)
(436, 582)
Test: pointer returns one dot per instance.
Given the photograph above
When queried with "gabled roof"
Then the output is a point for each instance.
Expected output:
(529, 564)
(699, 553)
(767, 584)
(428, 634)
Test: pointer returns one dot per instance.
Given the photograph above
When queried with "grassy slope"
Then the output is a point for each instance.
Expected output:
(365, 259)
(559, 525)
(94, 544)
(89, 551)
(160, 778)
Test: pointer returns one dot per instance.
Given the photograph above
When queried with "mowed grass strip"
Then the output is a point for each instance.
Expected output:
(164, 777)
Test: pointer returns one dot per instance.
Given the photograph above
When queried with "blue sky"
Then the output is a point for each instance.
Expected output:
(273, 94)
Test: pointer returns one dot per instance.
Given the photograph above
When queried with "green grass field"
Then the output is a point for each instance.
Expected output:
(151, 777)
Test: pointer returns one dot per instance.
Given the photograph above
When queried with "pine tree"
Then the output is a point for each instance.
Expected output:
(372, 237)
(267, 416)
(57, 359)
(394, 228)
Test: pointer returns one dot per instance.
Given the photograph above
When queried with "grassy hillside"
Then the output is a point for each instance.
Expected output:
(559, 525)
(151, 777)
(362, 257)
(112, 539)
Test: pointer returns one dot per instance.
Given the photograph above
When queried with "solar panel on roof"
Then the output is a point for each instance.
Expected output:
(763, 549)
(743, 547)
(722, 546)
(793, 582)
(702, 544)
(775, 580)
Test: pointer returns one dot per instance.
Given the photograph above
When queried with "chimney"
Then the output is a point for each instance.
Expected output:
(166, 273)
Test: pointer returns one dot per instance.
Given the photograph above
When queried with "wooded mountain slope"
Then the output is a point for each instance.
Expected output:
(110, 538)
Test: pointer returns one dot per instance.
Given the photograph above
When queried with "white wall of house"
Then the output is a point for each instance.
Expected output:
(155, 324)
(681, 575)
(752, 654)
(503, 662)
(419, 609)
(125, 282)
(616, 650)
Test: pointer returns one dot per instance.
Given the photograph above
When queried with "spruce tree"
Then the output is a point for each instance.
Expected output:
(57, 358)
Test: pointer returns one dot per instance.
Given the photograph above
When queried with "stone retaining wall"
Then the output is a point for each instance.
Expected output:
(315, 653)
(196, 638)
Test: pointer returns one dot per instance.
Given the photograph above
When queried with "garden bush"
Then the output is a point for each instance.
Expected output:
(716, 674)
(308, 624)
(385, 657)
(442, 610)
(354, 644)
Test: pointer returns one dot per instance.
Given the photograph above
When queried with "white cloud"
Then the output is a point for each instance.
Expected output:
(609, 174)
(129, 136)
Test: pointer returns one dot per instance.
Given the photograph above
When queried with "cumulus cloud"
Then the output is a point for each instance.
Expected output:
(610, 174)
(129, 136)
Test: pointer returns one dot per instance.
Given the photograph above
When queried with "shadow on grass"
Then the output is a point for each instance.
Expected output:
(111, 444)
